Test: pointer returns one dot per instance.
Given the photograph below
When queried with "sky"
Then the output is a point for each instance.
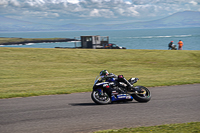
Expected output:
(93, 11)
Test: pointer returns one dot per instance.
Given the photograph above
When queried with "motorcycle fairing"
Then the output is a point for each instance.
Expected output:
(111, 79)
(100, 91)
(121, 97)
(98, 84)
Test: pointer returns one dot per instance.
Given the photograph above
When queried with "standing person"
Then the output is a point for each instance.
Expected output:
(180, 45)
(170, 45)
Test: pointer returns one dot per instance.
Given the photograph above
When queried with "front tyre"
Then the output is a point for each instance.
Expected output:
(100, 99)
(144, 96)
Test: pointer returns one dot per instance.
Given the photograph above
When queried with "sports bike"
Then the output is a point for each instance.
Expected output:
(117, 89)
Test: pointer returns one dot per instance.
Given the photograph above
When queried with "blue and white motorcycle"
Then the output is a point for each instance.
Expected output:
(118, 89)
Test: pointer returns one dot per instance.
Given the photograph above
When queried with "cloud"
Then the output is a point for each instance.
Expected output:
(194, 2)
(95, 9)
(106, 13)
(5, 3)
(73, 1)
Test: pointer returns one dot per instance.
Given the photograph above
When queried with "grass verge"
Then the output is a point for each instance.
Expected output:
(193, 127)
(33, 72)
(11, 41)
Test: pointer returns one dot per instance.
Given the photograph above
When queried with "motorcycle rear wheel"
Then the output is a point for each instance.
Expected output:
(100, 99)
(145, 97)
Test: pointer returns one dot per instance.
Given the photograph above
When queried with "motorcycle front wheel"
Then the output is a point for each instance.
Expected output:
(100, 99)
(145, 96)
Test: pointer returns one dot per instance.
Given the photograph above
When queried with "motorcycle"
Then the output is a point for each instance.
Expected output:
(118, 89)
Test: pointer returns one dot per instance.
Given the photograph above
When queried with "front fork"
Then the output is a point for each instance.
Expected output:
(127, 82)
(101, 92)
(132, 88)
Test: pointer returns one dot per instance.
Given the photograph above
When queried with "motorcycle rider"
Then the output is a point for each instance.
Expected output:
(105, 75)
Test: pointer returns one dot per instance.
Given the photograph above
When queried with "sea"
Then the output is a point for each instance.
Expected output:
(157, 39)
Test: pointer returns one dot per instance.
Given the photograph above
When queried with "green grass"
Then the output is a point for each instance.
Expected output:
(33, 72)
(193, 127)
(21, 40)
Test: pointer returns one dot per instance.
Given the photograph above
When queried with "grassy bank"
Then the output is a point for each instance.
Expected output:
(10, 41)
(32, 72)
(193, 127)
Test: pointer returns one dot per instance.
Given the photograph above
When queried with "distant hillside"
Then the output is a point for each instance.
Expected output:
(9, 24)
(177, 20)
(180, 19)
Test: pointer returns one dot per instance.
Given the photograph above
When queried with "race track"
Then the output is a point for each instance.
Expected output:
(76, 113)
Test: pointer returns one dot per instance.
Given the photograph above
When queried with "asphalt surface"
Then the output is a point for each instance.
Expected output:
(76, 113)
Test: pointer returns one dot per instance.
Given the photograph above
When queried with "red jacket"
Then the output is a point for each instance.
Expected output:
(180, 43)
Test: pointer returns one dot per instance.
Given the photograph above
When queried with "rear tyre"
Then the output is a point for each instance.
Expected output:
(144, 97)
(100, 99)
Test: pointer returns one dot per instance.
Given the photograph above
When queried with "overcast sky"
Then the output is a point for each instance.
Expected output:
(93, 11)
